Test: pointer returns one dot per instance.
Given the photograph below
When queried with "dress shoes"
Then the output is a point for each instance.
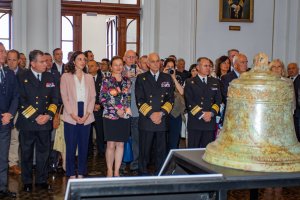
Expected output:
(7, 193)
(27, 187)
(15, 169)
(44, 186)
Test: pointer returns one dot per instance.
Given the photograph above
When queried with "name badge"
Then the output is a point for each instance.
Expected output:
(165, 85)
(48, 85)
(214, 88)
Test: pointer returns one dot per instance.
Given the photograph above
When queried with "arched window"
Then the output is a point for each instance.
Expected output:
(67, 36)
(5, 23)
(5, 29)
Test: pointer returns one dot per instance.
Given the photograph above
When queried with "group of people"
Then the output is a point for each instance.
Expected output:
(145, 98)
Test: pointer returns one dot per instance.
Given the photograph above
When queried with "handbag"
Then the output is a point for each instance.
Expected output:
(128, 154)
(56, 118)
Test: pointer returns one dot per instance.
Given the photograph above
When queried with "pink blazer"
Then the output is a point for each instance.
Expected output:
(69, 97)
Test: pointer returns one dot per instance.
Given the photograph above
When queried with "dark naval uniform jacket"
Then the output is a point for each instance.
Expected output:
(154, 96)
(36, 97)
(202, 97)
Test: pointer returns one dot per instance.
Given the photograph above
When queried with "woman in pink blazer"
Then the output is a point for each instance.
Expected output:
(78, 95)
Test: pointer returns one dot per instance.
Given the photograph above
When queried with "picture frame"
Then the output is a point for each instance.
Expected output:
(236, 10)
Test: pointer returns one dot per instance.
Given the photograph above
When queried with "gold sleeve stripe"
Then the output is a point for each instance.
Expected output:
(145, 108)
(195, 110)
(167, 106)
(215, 107)
(52, 108)
(29, 111)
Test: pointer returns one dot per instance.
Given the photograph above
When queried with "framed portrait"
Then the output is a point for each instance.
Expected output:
(236, 10)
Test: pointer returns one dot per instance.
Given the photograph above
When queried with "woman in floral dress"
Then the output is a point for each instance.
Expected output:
(115, 98)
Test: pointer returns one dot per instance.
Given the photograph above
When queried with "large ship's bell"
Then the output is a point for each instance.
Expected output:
(258, 132)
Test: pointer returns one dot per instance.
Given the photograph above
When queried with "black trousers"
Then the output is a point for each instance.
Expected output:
(200, 139)
(297, 127)
(4, 147)
(41, 140)
(147, 138)
(98, 124)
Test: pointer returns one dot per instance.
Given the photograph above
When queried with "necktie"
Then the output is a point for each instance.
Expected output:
(39, 77)
(154, 76)
(1, 76)
(203, 80)
(94, 78)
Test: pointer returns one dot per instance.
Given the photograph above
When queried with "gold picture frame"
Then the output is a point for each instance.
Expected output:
(236, 10)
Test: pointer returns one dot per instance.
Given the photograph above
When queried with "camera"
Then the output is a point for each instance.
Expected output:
(133, 68)
(171, 71)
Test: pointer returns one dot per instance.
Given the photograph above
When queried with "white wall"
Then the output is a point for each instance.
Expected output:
(214, 37)
(191, 29)
(94, 35)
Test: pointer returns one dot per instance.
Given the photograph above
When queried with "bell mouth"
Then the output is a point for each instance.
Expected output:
(249, 158)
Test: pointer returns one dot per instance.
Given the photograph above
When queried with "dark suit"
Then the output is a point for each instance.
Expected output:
(153, 96)
(201, 97)
(8, 104)
(297, 110)
(36, 98)
(225, 80)
(54, 67)
(98, 124)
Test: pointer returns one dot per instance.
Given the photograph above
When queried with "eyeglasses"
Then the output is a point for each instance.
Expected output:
(131, 57)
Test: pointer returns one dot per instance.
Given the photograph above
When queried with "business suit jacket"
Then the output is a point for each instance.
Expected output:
(54, 67)
(225, 80)
(154, 96)
(36, 97)
(69, 97)
(98, 84)
(202, 97)
(296, 89)
(9, 96)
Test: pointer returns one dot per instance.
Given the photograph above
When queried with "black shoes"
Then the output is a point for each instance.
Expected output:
(28, 188)
(7, 193)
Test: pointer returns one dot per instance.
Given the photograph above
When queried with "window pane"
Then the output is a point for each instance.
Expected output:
(5, 43)
(66, 48)
(128, 1)
(4, 24)
(67, 28)
(131, 30)
(131, 47)
(109, 1)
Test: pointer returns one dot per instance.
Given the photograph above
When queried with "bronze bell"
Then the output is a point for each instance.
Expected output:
(258, 132)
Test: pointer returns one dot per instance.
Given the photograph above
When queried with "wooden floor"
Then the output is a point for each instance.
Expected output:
(97, 168)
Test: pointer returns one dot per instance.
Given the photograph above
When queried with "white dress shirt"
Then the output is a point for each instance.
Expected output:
(80, 88)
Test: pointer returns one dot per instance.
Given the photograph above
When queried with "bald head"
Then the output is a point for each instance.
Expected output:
(93, 67)
(240, 63)
(130, 57)
(154, 62)
(293, 69)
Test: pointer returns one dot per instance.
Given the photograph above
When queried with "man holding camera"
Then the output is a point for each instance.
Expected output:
(131, 70)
